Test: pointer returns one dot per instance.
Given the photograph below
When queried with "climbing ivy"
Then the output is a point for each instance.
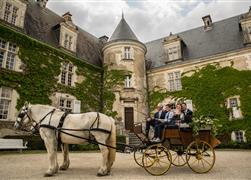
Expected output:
(209, 88)
(113, 80)
(41, 70)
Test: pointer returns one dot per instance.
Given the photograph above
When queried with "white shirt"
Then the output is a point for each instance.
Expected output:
(169, 115)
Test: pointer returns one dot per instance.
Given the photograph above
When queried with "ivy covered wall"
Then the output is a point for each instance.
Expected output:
(41, 69)
(208, 89)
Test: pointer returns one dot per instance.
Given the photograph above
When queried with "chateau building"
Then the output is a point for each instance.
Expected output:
(159, 64)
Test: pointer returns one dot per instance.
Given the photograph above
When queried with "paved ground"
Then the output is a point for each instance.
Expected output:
(229, 165)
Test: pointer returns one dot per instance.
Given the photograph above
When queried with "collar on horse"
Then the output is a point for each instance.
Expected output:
(35, 126)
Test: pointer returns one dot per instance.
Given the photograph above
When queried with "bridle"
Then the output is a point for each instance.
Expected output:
(34, 125)
(22, 115)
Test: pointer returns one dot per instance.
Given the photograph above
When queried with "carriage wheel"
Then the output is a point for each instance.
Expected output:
(178, 156)
(200, 156)
(138, 155)
(157, 159)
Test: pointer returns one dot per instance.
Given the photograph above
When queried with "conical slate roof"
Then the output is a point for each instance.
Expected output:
(123, 32)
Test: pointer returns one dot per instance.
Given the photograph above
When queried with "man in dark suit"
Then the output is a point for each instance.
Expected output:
(188, 114)
(160, 114)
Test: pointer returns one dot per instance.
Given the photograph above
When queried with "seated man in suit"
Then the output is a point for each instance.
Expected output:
(160, 114)
(168, 120)
(188, 114)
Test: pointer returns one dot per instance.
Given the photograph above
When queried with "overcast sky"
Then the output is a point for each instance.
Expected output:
(149, 19)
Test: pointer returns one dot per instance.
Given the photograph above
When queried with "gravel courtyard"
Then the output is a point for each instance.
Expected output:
(228, 165)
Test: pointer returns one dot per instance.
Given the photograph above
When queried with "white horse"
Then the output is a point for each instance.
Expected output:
(42, 115)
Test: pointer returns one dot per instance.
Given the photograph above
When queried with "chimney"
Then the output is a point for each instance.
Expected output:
(208, 24)
(42, 3)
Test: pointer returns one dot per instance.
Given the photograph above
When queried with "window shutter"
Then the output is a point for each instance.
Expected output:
(76, 106)
(236, 112)
(233, 137)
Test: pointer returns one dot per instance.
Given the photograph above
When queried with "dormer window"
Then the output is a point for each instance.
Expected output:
(173, 46)
(207, 22)
(14, 12)
(68, 33)
(173, 53)
(68, 42)
(245, 27)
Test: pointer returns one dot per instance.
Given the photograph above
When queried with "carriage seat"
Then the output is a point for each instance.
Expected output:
(171, 127)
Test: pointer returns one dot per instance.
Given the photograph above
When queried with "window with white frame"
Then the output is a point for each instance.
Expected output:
(239, 136)
(65, 104)
(173, 53)
(8, 53)
(68, 41)
(234, 105)
(10, 13)
(174, 81)
(127, 53)
(67, 74)
(128, 81)
(233, 102)
(5, 100)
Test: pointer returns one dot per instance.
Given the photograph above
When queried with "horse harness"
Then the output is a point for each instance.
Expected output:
(59, 129)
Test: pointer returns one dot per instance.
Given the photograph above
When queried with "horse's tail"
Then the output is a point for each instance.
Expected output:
(112, 142)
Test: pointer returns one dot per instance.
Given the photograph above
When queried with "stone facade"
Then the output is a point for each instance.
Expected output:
(158, 64)
(134, 95)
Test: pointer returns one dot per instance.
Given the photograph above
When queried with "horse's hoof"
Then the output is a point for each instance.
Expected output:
(101, 174)
(48, 174)
(63, 168)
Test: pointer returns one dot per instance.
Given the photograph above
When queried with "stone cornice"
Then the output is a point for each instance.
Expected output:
(124, 42)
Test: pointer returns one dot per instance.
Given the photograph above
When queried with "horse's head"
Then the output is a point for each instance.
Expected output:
(23, 117)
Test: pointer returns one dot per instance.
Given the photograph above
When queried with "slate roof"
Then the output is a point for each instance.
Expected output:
(123, 32)
(39, 23)
(224, 36)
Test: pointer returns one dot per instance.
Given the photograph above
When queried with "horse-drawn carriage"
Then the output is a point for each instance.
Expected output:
(178, 147)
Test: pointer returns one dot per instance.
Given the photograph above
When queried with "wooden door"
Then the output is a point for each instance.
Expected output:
(129, 121)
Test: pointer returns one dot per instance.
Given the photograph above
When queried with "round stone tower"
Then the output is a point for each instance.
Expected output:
(124, 51)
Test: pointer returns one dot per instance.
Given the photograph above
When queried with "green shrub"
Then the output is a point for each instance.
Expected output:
(235, 145)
